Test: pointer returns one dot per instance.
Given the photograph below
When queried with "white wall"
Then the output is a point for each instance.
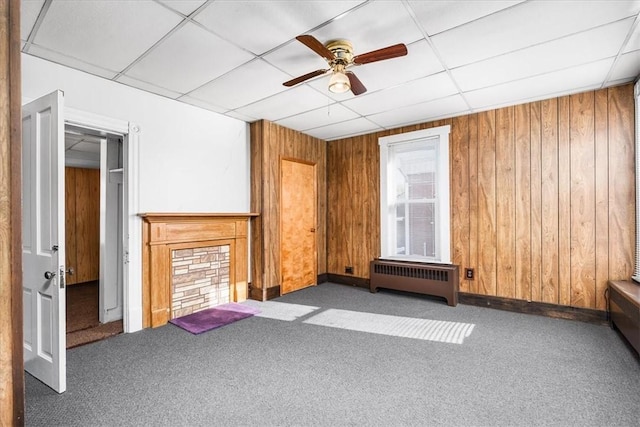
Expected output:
(191, 159)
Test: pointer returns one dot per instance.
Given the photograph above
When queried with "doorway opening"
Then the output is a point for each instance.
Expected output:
(95, 215)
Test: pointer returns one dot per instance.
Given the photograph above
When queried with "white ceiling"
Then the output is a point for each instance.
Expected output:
(232, 57)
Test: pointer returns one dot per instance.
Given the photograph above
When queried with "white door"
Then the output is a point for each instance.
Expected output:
(43, 251)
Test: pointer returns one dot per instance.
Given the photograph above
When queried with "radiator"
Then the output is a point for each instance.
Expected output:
(429, 279)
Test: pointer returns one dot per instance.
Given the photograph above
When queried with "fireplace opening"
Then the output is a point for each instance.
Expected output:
(200, 279)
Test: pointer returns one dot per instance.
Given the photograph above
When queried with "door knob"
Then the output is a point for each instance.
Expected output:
(49, 275)
(70, 271)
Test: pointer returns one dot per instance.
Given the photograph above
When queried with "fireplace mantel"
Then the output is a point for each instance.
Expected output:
(164, 232)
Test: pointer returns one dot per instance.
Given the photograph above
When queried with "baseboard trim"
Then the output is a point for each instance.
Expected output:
(322, 278)
(508, 304)
(348, 280)
(543, 309)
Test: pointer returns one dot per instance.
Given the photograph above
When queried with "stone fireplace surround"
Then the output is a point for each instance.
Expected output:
(164, 233)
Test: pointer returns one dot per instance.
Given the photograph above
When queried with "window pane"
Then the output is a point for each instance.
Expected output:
(415, 171)
(401, 225)
(422, 226)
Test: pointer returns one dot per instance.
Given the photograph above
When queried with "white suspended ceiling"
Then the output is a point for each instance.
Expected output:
(232, 57)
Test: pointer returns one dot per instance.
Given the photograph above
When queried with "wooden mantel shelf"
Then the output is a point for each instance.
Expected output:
(164, 232)
(190, 215)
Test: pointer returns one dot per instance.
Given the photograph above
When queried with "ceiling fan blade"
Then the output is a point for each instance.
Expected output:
(356, 85)
(381, 54)
(307, 76)
(315, 45)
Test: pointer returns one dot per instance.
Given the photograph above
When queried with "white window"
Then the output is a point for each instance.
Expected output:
(414, 196)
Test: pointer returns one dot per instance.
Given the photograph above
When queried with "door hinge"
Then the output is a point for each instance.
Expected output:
(126, 257)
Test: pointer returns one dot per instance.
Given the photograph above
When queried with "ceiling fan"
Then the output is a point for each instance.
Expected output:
(339, 56)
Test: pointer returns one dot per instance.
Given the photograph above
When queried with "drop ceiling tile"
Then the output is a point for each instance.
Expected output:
(420, 61)
(260, 26)
(67, 61)
(185, 7)
(295, 59)
(524, 25)
(240, 116)
(187, 59)
(438, 16)
(415, 92)
(288, 103)
(248, 83)
(634, 40)
(109, 34)
(129, 81)
(87, 147)
(541, 87)
(376, 25)
(344, 129)
(420, 113)
(202, 104)
(627, 67)
(580, 48)
(29, 11)
(323, 116)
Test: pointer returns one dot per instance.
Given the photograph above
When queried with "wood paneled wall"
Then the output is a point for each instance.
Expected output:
(542, 198)
(82, 229)
(11, 353)
(269, 144)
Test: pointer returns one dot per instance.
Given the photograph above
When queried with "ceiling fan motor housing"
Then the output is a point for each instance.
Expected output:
(342, 49)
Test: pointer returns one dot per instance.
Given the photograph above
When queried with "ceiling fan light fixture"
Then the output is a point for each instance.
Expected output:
(339, 82)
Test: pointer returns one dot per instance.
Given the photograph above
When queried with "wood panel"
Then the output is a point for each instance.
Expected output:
(269, 144)
(505, 203)
(340, 222)
(70, 225)
(459, 200)
(543, 211)
(581, 122)
(564, 203)
(11, 353)
(536, 202)
(601, 199)
(549, 189)
(86, 225)
(621, 187)
(473, 199)
(523, 202)
(487, 203)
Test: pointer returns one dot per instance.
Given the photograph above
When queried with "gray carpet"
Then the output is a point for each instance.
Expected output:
(512, 370)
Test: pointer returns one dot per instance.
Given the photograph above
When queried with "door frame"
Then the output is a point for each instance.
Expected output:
(132, 280)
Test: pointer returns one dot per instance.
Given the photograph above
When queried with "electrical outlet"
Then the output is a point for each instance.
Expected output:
(468, 273)
(348, 269)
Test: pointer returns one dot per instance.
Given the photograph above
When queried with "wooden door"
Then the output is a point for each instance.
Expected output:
(43, 246)
(298, 250)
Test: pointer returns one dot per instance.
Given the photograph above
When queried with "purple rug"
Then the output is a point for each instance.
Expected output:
(213, 318)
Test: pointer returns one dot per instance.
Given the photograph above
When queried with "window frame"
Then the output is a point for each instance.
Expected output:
(387, 214)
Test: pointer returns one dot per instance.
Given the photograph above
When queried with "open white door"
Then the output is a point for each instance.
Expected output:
(43, 239)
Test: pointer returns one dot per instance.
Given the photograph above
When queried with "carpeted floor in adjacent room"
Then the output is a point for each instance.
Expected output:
(83, 323)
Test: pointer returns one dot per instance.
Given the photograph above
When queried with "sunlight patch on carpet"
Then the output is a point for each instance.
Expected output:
(397, 326)
(280, 310)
